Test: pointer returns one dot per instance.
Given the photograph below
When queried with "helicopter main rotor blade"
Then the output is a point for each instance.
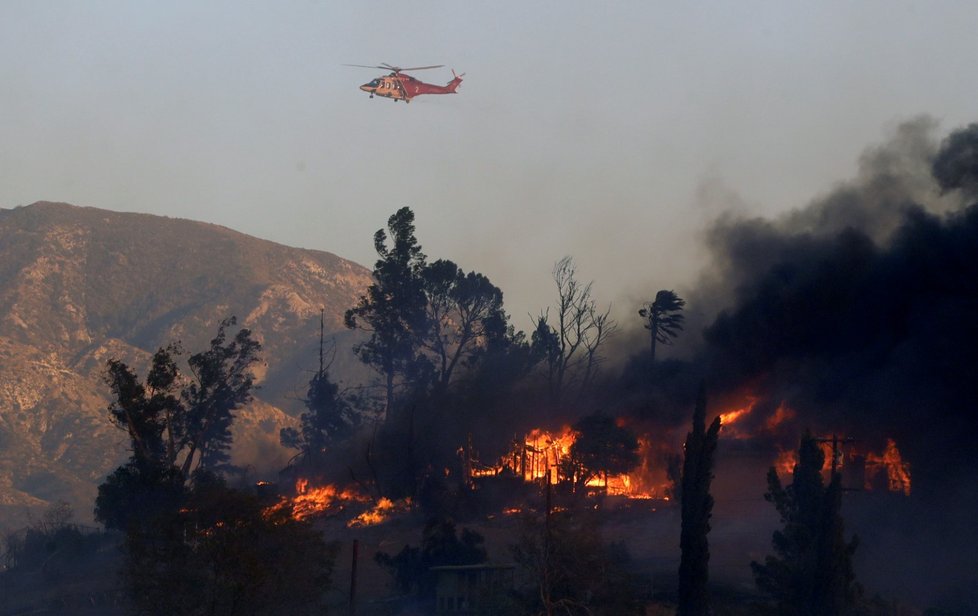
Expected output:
(421, 68)
(397, 69)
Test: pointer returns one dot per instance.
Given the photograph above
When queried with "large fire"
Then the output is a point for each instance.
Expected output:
(546, 456)
(866, 468)
(860, 467)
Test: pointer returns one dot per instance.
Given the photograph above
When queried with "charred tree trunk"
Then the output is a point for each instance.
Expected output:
(389, 390)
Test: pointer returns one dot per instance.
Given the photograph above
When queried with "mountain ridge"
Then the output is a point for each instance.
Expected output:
(80, 285)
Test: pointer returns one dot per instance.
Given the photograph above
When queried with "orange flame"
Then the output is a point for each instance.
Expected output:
(542, 455)
(897, 471)
(890, 461)
(309, 502)
(785, 462)
(781, 415)
(329, 499)
(731, 416)
(380, 512)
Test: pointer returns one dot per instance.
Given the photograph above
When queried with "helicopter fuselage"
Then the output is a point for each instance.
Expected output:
(400, 86)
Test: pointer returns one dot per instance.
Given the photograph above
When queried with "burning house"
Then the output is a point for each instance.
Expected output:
(548, 457)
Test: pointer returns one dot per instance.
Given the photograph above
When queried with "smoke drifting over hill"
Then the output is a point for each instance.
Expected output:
(858, 311)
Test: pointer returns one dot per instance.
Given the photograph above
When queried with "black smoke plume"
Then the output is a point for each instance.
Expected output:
(859, 312)
(956, 165)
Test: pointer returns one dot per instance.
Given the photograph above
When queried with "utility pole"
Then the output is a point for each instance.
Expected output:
(837, 454)
(322, 313)
(353, 578)
(547, 561)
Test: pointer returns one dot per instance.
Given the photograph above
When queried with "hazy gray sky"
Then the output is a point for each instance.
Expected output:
(610, 131)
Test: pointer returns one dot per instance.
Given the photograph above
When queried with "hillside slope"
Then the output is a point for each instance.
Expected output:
(81, 285)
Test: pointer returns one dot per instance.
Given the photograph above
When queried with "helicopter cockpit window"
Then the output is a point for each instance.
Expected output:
(374, 83)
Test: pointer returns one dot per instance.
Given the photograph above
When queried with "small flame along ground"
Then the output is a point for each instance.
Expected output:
(326, 500)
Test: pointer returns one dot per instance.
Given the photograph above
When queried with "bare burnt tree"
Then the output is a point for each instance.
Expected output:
(603, 326)
(578, 331)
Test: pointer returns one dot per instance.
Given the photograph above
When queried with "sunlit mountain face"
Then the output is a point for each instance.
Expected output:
(79, 286)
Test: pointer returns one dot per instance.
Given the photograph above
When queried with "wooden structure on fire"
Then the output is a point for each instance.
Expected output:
(535, 457)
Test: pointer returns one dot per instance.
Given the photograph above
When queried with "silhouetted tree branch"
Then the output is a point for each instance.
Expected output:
(664, 319)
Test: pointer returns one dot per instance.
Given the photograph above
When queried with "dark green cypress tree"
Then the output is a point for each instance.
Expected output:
(811, 572)
(697, 507)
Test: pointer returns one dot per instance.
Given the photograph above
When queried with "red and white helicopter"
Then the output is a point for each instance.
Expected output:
(402, 87)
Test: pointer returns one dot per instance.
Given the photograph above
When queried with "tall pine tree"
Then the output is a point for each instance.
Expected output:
(697, 507)
(393, 309)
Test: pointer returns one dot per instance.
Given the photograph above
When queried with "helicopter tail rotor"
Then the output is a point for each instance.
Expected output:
(454, 83)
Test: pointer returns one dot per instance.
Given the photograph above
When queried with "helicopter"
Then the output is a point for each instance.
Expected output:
(403, 87)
